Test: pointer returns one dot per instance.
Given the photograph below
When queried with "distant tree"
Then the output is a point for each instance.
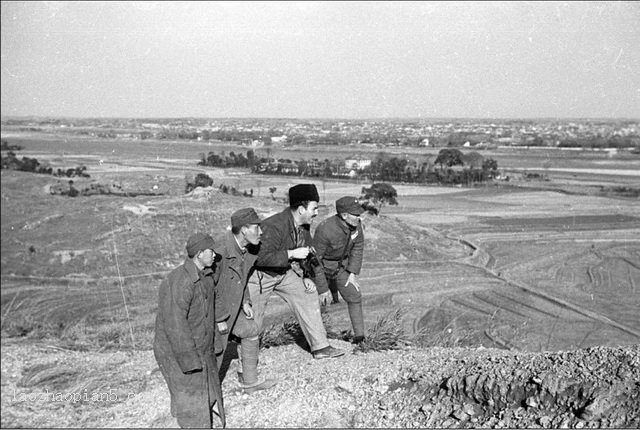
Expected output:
(380, 194)
(473, 159)
(201, 180)
(449, 157)
(490, 167)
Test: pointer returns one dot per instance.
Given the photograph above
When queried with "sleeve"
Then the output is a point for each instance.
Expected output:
(246, 297)
(222, 313)
(320, 244)
(176, 306)
(273, 250)
(355, 256)
(220, 304)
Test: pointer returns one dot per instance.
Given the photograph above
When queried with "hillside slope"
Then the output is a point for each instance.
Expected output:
(434, 387)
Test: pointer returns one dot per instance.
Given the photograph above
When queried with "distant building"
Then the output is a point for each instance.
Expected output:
(279, 139)
(357, 164)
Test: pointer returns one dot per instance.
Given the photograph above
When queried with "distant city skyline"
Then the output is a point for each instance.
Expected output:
(321, 60)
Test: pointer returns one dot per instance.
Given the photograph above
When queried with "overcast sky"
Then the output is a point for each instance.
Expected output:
(321, 59)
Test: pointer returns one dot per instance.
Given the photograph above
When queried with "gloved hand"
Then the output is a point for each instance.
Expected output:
(309, 286)
(223, 328)
(353, 280)
(248, 310)
(325, 298)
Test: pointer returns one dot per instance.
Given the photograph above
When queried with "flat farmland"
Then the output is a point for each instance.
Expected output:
(532, 266)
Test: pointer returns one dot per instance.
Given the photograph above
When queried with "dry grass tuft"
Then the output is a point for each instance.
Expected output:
(288, 332)
(48, 374)
(386, 334)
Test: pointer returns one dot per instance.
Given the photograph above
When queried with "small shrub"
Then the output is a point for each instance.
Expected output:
(201, 180)
(386, 334)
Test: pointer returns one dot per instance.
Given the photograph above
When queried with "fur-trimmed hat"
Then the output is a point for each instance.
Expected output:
(302, 193)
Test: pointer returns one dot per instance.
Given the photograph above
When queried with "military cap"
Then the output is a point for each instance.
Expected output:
(199, 242)
(243, 217)
(349, 205)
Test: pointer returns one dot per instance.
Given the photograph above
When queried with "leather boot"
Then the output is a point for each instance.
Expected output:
(357, 320)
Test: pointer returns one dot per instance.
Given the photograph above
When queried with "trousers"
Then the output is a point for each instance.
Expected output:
(290, 288)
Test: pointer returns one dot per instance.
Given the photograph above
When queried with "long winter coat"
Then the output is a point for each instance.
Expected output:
(184, 344)
(231, 284)
(339, 248)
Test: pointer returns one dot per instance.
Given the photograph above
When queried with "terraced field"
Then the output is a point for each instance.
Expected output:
(509, 266)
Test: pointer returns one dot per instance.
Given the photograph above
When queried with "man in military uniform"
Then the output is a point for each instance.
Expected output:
(280, 268)
(184, 337)
(339, 245)
(239, 254)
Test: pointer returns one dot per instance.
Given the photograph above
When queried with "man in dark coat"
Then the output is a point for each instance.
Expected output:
(339, 245)
(184, 337)
(238, 257)
(280, 269)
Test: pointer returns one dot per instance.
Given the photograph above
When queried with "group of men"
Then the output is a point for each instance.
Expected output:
(223, 291)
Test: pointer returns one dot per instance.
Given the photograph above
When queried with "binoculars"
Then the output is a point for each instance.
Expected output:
(310, 262)
(312, 257)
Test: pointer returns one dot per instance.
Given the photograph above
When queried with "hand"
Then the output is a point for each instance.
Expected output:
(309, 286)
(325, 298)
(248, 310)
(353, 281)
(299, 253)
(223, 328)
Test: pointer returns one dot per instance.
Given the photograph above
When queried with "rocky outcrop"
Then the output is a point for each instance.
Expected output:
(595, 387)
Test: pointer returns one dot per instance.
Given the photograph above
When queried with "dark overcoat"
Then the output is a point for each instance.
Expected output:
(184, 344)
(232, 274)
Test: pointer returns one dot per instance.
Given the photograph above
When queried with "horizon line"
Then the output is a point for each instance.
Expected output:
(408, 118)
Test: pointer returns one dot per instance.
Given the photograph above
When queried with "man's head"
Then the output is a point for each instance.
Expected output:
(349, 210)
(245, 225)
(303, 201)
(200, 248)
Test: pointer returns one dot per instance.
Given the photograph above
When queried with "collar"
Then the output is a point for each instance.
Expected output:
(343, 224)
(292, 219)
(241, 248)
(232, 247)
(193, 272)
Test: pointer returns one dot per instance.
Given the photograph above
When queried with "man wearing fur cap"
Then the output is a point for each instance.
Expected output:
(282, 268)
(184, 337)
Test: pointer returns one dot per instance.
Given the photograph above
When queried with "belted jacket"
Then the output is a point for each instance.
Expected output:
(338, 247)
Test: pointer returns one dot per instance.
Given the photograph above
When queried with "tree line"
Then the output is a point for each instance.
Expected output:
(450, 167)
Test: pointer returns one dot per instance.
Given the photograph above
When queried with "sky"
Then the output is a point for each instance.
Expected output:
(321, 59)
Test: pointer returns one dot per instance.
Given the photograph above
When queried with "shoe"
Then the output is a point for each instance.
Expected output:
(357, 340)
(327, 352)
(263, 384)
